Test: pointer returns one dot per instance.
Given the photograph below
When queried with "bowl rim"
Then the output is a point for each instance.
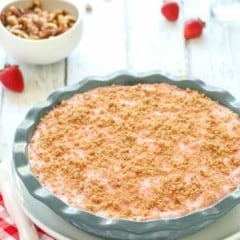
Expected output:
(78, 6)
(99, 225)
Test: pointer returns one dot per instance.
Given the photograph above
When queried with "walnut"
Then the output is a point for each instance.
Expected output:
(36, 23)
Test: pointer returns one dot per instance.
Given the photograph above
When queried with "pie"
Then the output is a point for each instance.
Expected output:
(141, 152)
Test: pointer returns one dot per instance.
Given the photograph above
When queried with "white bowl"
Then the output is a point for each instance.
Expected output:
(43, 51)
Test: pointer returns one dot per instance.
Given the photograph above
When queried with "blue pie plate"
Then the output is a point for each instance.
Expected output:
(111, 228)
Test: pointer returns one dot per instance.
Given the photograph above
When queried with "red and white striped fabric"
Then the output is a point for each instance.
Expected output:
(8, 230)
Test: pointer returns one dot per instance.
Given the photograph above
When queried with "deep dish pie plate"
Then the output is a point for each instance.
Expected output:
(112, 228)
(43, 217)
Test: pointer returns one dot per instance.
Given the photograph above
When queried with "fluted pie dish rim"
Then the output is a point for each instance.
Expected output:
(112, 228)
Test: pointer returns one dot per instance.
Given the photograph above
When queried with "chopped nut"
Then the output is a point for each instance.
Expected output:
(36, 23)
(12, 20)
(88, 7)
(19, 33)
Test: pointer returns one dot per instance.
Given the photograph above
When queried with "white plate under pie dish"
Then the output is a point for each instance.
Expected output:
(108, 228)
(44, 217)
(61, 230)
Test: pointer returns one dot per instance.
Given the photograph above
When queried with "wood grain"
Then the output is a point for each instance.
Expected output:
(132, 35)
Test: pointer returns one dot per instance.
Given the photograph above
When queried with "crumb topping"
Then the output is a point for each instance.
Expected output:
(138, 152)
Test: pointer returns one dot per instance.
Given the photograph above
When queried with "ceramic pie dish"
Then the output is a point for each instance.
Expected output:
(115, 228)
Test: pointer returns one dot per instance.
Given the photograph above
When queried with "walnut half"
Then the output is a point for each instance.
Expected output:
(36, 23)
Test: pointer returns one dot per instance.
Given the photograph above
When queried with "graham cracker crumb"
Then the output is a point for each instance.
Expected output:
(138, 152)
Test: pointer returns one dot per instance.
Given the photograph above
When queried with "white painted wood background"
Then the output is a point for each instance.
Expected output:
(132, 35)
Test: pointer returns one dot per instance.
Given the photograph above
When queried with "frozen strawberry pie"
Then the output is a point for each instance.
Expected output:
(138, 152)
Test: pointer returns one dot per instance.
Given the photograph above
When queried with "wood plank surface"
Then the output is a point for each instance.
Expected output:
(132, 35)
(154, 43)
(102, 49)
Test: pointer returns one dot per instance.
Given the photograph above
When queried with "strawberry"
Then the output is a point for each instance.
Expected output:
(193, 28)
(170, 10)
(12, 78)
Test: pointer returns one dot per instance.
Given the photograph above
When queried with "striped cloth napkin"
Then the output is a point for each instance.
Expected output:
(8, 230)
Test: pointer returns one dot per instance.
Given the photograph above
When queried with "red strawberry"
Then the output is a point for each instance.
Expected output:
(12, 78)
(193, 28)
(170, 10)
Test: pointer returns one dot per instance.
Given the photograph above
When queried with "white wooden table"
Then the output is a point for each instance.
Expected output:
(132, 35)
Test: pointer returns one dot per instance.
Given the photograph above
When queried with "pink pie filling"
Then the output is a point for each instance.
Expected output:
(138, 152)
